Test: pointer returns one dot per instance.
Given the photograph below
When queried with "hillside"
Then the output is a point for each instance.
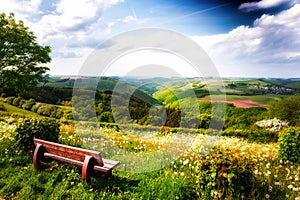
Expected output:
(293, 83)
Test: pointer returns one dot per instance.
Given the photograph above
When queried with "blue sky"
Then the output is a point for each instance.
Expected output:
(243, 38)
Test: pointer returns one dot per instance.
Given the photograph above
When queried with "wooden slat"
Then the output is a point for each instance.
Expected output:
(108, 165)
(113, 162)
(63, 159)
(75, 156)
(73, 153)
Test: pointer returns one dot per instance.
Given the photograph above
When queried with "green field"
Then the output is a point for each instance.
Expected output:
(295, 85)
(14, 109)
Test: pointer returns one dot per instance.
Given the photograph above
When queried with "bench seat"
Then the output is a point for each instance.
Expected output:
(90, 161)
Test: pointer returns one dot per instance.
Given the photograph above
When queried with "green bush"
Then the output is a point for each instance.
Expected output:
(42, 110)
(16, 101)
(36, 106)
(287, 109)
(10, 100)
(36, 128)
(224, 174)
(28, 104)
(59, 113)
(252, 134)
(289, 144)
(21, 103)
(2, 106)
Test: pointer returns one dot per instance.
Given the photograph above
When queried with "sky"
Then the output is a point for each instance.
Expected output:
(243, 38)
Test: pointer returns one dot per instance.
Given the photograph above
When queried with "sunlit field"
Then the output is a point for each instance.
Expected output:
(233, 169)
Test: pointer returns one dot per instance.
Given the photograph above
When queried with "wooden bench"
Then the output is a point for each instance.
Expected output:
(90, 161)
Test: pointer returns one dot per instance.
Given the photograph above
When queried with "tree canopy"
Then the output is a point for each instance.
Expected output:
(21, 56)
(287, 109)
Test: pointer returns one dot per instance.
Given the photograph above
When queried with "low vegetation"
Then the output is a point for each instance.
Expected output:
(233, 169)
(249, 160)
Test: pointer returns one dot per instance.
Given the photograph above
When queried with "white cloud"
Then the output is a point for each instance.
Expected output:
(264, 4)
(20, 5)
(127, 19)
(75, 15)
(274, 40)
(73, 24)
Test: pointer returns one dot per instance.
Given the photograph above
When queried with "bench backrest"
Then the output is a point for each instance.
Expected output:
(73, 153)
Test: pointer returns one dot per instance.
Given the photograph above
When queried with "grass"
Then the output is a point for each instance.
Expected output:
(246, 81)
(183, 178)
(295, 85)
(14, 109)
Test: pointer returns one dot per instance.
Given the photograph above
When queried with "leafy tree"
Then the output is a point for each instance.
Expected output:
(287, 109)
(20, 56)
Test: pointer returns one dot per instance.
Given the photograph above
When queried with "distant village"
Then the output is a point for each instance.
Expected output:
(272, 89)
(266, 89)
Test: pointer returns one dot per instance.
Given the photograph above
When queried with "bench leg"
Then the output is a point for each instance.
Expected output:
(88, 168)
(38, 156)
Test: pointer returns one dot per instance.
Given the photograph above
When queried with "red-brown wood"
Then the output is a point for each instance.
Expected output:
(88, 168)
(90, 161)
(73, 153)
(37, 156)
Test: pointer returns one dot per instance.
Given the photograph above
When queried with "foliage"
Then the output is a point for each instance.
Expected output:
(28, 104)
(46, 129)
(2, 106)
(16, 101)
(10, 100)
(243, 117)
(43, 109)
(268, 177)
(18, 111)
(20, 56)
(287, 109)
(68, 136)
(253, 134)
(289, 144)
(222, 174)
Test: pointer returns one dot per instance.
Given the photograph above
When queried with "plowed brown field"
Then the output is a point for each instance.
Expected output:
(237, 103)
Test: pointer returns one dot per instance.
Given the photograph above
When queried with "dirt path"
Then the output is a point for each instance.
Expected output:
(237, 103)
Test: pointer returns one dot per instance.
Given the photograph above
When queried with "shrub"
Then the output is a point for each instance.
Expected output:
(28, 104)
(289, 144)
(21, 103)
(222, 175)
(16, 101)
(10, 100)
(252, 134)
(59, 113)
(36, 128)
(2, 106)
(51, 111)
(42, 110)
(204, 120)
(36, 106)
